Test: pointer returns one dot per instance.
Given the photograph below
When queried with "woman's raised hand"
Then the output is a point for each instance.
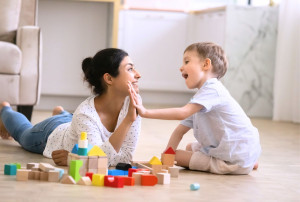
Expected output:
(137, 103)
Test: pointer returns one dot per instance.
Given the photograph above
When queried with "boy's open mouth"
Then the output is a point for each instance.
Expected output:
(185, 76)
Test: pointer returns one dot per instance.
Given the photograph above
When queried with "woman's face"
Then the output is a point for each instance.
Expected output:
(127, 73)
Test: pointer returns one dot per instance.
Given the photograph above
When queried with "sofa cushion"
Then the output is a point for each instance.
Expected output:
(10, 58)
(9, 19)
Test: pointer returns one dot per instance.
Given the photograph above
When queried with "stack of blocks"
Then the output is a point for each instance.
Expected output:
(92, 161)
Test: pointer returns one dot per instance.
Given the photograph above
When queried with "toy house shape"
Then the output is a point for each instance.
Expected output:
(168, 157)
(96, 151)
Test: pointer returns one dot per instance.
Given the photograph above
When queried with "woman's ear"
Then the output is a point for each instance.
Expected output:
(107, 78)
(207, 64)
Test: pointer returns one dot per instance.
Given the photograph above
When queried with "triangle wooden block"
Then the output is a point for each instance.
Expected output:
(84, 181)
(155, 161)
(96, 151)
(169, 151)
(68, 180)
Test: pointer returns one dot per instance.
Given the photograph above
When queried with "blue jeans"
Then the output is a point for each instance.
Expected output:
(31, 138)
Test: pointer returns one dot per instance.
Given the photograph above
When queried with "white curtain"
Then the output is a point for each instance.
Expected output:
(287, 71)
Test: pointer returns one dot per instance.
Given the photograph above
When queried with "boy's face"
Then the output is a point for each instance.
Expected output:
(192, 70)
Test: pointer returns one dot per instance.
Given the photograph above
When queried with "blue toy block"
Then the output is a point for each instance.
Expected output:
(10, 169)
(194, 186)
(116, 172)
(61, 172)
(134, 167)
(75, 149)
(82, 151)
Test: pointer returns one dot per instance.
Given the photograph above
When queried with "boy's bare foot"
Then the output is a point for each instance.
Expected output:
(57, 110)
(255, 166)
(3, 132)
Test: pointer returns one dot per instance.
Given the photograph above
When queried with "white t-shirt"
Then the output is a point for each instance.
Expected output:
(86, 119)
(222, 128)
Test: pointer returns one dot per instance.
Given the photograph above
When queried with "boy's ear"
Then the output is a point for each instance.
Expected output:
(207, 64)
(107, 78)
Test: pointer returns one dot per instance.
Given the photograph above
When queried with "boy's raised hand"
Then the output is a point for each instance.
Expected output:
(136, 101)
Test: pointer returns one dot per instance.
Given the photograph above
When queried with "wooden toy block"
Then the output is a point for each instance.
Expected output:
(137, 177)
(82, 171)
(75, 149)
(98, 180)
(32, 165)
(82, 151)
(123, 166)
(194, 186)
(168, 159)
(85, 161)
(170, 150)
(10, 169)
(83, 136)
(155, 161)
(156, 169)
(46, 167)
(31, 175)
(67, 179)
(93, 171)
(129, 181)
(84, 181)
(93, 162)
(18, 165)
(103, 171)
(83, 144)
(148, 166)
(22, 174)
(44, 176)
(36, 174)
(61, 172)
(132, 170)
(135, 163)
(35, 169)
(53, 176)
(174, 171)
(90, 175)
(114, 181)
(164, 171)
(163, 178)
(102, 162)
(148, 180)
(96, 151)
(74, 169)
(116, 172)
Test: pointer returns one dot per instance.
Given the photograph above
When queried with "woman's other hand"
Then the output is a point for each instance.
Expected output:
(136, 102)
(60, 157)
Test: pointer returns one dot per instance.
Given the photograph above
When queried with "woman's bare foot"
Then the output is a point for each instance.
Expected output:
(255, 166)
(3, 132)
(57, 110)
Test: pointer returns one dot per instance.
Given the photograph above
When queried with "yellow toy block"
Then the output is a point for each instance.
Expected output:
(155, 161)
(98, 180)
(96, 151)
(83, 136)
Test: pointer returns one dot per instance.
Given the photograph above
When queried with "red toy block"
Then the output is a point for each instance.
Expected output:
(128, 181)
(113, 181)
(169, 151)
(90, 175)
(149, 180)
(132, 170)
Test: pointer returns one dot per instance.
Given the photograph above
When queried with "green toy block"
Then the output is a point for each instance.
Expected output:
(82, 151)
(74, 169)
(10, 169)
(18, 165)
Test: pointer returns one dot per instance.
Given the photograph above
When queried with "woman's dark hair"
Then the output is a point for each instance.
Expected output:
(105, 61)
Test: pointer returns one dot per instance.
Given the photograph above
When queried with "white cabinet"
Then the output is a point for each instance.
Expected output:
(155, 40)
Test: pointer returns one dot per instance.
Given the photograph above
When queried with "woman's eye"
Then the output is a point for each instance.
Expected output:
(130, 69)
(186, 62)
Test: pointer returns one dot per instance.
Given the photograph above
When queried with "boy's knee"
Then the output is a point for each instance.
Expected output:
(189, 147)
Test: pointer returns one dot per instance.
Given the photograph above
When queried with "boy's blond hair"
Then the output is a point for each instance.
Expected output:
(215, 53)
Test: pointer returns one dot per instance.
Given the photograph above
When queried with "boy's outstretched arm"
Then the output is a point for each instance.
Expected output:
(177, 135)
(179, 113)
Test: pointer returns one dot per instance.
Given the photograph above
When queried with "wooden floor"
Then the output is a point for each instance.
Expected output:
(277, 179)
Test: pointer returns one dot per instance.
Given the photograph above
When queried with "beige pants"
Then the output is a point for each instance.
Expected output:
(202, 162)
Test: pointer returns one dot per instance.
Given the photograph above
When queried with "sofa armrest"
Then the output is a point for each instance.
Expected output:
(29, 41)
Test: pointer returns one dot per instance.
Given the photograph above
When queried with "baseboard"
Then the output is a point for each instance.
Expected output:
(150, 98)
